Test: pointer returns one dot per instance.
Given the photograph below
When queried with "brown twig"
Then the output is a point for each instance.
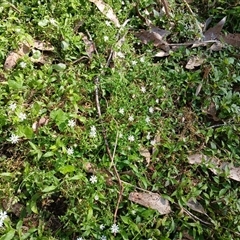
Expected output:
(166, 6)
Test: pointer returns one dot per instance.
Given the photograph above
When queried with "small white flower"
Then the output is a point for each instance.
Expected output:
(93, 132)
(142, 59)
(106, 38)
(96, 197)
(131, 118)
(93, 179)
(22, 116)
(53, 21)
(131, 138)
(157, 101)
(13, 106)
(70, 151)
(102, 227)
(121, 111)
(147, 119)
(150, 239)
(79, 238)
(114, 228)
(120, 54)
(103, 237)
(22, 64)
(71, 123)
(143, 89)
(153, 142)
(108, 23)
(3, 215)
(151, 109)
(148, 136)
(120, 135)
(134, 63)
(14, 139)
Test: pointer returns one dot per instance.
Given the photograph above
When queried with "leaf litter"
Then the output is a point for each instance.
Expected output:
(151, 200)
(215, 165)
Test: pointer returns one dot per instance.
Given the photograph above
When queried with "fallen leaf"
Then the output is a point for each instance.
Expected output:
(217, 46)
(231, 39)
(154, 35)
(161, 54)
(194, 61)
(212, 111)
(151, 200)
(196, 206)
(42, 122)
(214, 32)
(89, 45)
(107, 11)
(14, 56)
(215, 165)
(145, 153)
(43, 46)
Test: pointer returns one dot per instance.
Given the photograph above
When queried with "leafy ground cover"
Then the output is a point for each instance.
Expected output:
(91, 123)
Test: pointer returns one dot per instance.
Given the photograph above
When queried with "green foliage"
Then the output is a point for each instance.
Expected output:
(58, 175)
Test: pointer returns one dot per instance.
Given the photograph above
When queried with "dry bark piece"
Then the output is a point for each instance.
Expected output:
(43, 46)
(193, 62)
(89, 45)
(151, 200)
(107, 11)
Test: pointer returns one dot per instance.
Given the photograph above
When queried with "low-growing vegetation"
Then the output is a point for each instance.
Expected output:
(97, 113)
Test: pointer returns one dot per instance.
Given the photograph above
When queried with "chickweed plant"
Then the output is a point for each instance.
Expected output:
(57, 180)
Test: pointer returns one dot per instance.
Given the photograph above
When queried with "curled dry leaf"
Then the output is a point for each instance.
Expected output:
(14, 56)
(145, 153)
(194, 61)
(107, 11)
(196, 206)
(42, 122)
(151, 200)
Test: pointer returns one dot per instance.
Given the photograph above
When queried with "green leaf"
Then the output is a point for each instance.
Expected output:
(49, 189)
(59, 116)
(76, 177)
(48, 154)
(15, 85)
(90, 214)
(59, 67)
(66, 169)
(6, 174)
(9, 235)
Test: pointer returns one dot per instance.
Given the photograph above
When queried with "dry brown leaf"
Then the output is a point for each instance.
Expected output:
(194, 61)
(212, 111)
(43, 46)
(89, 45)
(42, 122)
(231, 39)
(217, 46)
(196, 206)
(14, 56)
(151, 200)
(161, 54)
(145, 153)
(154, 35)
(107, 11)
(214, 32)
(215, 165)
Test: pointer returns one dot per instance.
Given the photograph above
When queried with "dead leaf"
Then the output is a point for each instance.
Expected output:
(14, 56)
(231, 39)
(89, 45)
(194, 61)
(217, 46)
(43, 46)
(196, 206)
(151, 200)
(212, 111)
(107, 11)
(42, 122)
(161, 54)
(154, 35)
(145, 153)
(214, 32)
(215, 165)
